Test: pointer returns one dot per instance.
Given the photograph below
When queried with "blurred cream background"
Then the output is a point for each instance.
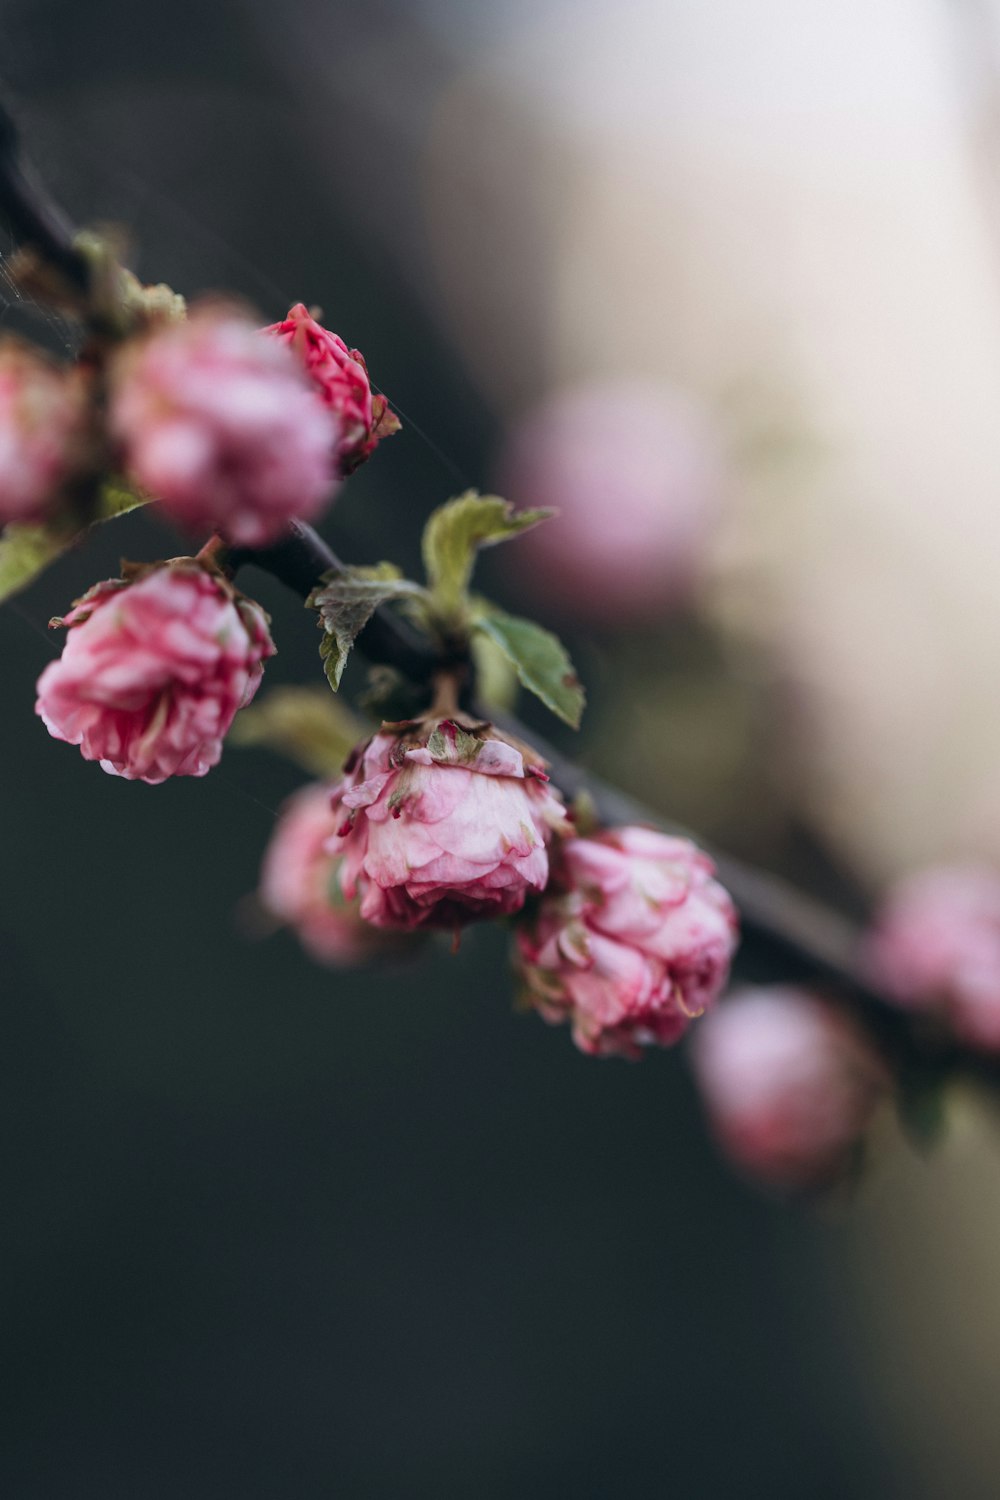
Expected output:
(784, 208)
(790, 210)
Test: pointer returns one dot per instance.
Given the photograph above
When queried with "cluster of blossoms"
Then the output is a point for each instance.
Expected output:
(231, 427)
(438, 821)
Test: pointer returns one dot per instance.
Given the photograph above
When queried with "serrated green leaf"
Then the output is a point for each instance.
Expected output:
(346, 602)
(453, 535)
(540, 660)
(26, 551)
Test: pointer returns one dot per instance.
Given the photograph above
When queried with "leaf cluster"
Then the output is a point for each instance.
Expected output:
(510, 647)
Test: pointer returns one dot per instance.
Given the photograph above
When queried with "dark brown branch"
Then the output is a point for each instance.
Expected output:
(301, 559)
(34, 218)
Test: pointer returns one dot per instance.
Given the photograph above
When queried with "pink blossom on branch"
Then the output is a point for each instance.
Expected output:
(341, 377)
(935, 947)
(223, 428)
(441, 824)
(632, 940)
(154, 670)
(42, 425)
(300, 886)
(790, 1084)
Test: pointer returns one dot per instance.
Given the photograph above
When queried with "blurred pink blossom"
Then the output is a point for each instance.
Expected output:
(634, 470)
(223, 427)
(42, 416)
(789, 1084)
(935, 946)
(299, 883)
(439, 827)
(154, 671)
(633, 939)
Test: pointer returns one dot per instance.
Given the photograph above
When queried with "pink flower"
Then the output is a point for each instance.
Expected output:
(790, 1085)
(42, 415)
(635, 473)
(633, 939)
(341, 376)
(153, 671)
(441, 824)
(223, 428)
(299, 883)
(936, 947)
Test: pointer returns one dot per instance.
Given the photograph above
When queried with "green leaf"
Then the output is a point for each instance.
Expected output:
(26, 551)
(453, 535)
(118, 500)
(312, 729)
(540, 661)
(496, 679)
(346, 602)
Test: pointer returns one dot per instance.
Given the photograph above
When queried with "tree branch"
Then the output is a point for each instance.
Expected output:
(34, 218)
(786, 934)
(301, 559)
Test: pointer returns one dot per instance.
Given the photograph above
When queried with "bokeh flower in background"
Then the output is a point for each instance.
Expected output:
(222, 426)
(935, 946)
(635, 472)
(790, 1085)
(300, 886)
(42, 431)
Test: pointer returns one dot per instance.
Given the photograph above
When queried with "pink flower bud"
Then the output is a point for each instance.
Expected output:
(635, 474)
(632, 940)
(153, 671)
(42, 417)
(299, 883)
(440, 825)
(790, 1084)
(223, 428)
(936, 947)
(341, 376)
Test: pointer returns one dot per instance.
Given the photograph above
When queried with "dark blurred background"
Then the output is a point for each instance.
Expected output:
(271, 1230)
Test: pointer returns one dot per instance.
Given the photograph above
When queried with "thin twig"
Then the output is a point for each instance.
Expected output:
(35, 220)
